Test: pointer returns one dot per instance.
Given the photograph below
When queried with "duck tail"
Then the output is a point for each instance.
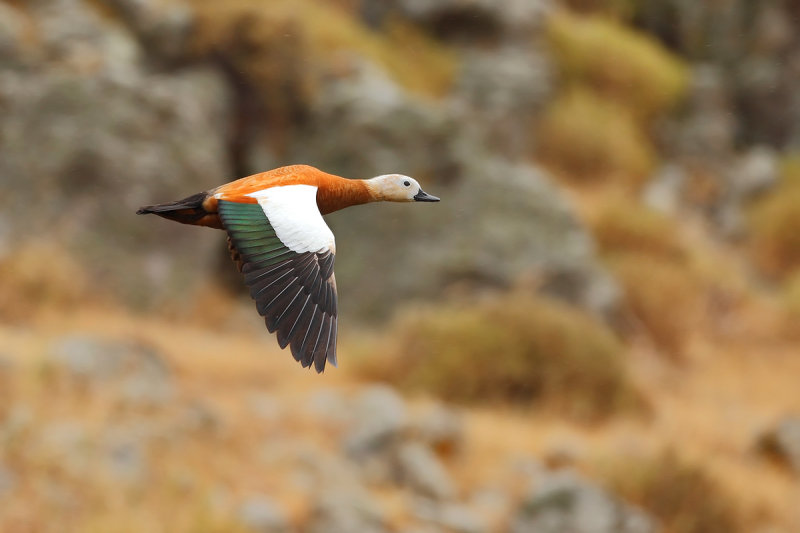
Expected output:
(189, 210)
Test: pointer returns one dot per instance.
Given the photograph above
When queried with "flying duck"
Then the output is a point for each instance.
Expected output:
(282, 246)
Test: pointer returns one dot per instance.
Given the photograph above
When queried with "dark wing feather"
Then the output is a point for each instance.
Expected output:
(294, 292)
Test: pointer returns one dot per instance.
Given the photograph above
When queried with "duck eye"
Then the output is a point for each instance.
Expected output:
(406, 183)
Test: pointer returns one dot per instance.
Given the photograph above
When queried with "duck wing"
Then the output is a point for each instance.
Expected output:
(287, 253)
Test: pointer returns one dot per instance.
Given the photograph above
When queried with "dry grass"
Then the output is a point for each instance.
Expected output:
(682, 496)
(510, 349)
(591, 139)
(38, 276)
(283, 43)
(774, 236)
(619, 63)
(624, 225)
(664, 297)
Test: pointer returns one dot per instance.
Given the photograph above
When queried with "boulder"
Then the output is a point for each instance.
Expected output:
(91, 131)
(345, 510)
(418, 468)
(379, 421)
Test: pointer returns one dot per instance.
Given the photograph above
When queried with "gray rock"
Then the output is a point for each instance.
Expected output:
(92, 358)
(113, 128)
(783, 442)
(754, 172)
(380, 418)
(345, 511)
(562, 501)
(261, 514)
(503, 90)
(142, 377)
(452, 517)
(418, 468)
(163, 28)
(664, 191)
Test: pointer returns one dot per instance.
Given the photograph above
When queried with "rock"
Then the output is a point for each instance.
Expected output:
(664, 191)
(783, 442)
(345, 511)
(440, 428)
(418, 468)
(504, 90)
(144, 378)
(380, 418)
(114, 128)
(163, 28)
(91, 358)
(561, 501)
(754, 172)
(262, 515)
(451, 517)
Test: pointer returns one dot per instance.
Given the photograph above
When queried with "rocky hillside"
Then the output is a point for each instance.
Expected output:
(595, 330)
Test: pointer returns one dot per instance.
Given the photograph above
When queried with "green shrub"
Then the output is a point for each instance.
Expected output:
(592, 139)
(619, 63)
(681, 495)
(511, 349)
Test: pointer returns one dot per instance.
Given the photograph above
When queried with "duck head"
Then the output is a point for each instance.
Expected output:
(398, 188)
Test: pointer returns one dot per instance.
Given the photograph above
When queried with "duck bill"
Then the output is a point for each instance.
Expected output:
(422, 196)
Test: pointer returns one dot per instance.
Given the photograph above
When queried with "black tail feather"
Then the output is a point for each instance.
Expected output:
(189, 210)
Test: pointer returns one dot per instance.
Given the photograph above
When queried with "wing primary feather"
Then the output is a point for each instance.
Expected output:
(332, 351)
(321, 349)
(285, 333)
(311, 339)
(281, 306)
(304, 327)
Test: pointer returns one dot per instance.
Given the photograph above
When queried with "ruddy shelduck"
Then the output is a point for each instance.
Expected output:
(283, 248)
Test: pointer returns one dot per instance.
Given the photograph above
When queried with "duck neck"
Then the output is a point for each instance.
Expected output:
(343, 193)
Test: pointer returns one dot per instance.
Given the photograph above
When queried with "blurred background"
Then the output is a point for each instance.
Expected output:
(597, 330)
